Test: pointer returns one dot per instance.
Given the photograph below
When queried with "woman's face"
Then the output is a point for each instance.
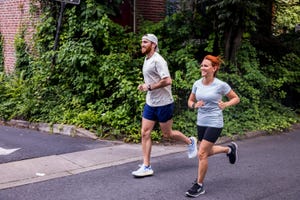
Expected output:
(207, 69)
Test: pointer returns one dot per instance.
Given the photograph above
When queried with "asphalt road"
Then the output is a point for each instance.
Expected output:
(32, 144)
(268, 169)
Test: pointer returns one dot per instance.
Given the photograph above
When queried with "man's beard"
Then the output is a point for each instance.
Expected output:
(146, 50)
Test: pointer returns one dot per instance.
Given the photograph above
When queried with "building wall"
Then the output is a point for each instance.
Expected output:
(14, 14)
(152, 10)
(125, 15)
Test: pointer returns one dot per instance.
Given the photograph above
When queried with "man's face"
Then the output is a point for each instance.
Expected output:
(146, 46)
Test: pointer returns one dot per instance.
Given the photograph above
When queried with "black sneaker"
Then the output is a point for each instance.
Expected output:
(195, 191)
(233, 154)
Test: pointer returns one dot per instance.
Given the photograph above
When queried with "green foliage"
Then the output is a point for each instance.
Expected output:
(13, 91)
(234, 13)
(22, 53)
(93, 83)
(287, 15)
(261, 94)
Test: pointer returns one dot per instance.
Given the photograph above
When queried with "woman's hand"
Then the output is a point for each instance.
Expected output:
(199, 104)
(222, 105)
(233, 100)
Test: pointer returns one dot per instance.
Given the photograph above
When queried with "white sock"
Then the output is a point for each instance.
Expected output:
(229, 150)
(192, 142)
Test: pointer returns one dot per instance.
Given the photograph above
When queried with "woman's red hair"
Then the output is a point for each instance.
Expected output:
(215, 60)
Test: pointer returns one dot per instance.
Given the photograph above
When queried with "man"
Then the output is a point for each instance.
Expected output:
(159, 105)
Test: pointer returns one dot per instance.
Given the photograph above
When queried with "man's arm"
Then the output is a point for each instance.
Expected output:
(162, 83)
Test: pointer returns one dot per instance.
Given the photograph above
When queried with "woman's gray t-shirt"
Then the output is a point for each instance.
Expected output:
(210, 114)
(154, 69)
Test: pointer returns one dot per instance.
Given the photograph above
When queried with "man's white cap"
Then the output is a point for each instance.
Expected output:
(152, 38)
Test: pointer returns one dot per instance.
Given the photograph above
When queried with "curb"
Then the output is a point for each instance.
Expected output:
(69, 130)
(73, 131)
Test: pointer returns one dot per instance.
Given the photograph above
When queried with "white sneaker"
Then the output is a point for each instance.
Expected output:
(143, 171)
(192, 148)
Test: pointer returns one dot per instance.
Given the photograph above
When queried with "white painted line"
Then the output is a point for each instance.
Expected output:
(7, 151)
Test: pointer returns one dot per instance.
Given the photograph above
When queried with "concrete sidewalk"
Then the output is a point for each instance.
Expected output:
(44, 168)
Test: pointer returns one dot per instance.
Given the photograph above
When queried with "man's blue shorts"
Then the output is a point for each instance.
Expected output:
(159, 113)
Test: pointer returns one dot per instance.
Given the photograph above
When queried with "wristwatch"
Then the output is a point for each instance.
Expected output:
(149, 87)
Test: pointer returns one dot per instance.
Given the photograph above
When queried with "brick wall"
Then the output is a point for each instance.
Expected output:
(13, 15)
(153, 10)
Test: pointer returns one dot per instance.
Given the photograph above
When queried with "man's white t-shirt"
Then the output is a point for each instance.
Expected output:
(154, 69)
(210, 114)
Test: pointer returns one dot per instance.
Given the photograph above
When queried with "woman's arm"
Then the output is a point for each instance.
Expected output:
(233, 100)
(192, 101)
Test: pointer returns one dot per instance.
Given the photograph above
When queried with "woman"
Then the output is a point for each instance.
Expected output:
(206, 96)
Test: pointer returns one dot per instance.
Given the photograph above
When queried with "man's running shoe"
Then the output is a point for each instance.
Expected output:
(192, 148)
(143, 171)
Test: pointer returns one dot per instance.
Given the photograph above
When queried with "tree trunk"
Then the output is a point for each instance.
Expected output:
(232, 43)
(266, 14)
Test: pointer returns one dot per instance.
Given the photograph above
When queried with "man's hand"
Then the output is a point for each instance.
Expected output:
(143, 87)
